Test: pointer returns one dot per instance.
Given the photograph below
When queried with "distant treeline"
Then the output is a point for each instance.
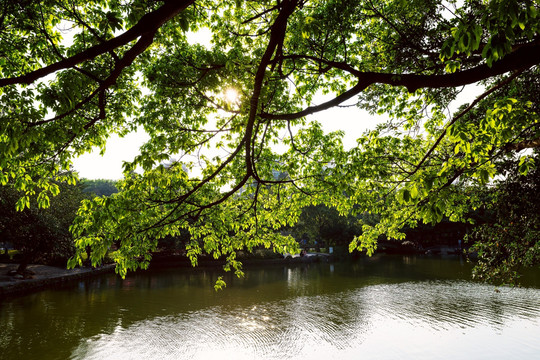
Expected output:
(99, 187)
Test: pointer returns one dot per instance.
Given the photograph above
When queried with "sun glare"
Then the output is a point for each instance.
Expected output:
(231, 95)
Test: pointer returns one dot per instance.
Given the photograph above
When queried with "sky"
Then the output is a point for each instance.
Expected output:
(351, 120)
(109, 166)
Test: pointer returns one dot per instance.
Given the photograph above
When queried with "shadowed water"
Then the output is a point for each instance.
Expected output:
(378, 308)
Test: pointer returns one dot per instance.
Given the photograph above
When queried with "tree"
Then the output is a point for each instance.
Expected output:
(100, 187)
(60, 98)
(42, 235)
(512, 240)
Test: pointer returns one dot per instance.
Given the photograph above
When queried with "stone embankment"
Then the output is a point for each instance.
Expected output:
(43, 277)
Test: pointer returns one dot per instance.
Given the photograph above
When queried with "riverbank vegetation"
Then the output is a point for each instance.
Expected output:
(236, 156)
(42, 234)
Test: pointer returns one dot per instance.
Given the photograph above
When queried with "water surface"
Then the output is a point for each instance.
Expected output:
(378, 308)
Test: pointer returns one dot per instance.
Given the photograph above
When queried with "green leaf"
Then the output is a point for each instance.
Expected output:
(533, 12)
(414, 192)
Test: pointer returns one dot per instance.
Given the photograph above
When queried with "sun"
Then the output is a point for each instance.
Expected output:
(231, 95)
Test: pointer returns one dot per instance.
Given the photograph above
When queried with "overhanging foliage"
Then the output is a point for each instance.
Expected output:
(61, 97)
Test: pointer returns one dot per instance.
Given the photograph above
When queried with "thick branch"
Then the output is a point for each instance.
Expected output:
(522, 58)
(277, 36)
(140, 46)
(526, 144)
(149, 23)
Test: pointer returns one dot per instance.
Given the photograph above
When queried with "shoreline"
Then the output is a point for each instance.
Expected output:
(45, 277)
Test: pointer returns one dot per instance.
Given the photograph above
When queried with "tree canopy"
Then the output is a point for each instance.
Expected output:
(74, 72)
(42, 235)
(511, 241)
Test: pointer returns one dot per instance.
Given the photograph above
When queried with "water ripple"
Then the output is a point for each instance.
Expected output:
(334, 326)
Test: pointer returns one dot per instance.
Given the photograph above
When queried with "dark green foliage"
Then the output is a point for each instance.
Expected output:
(444, 233)
(174, 243)
(41, 235)
(322, 226)
(512, 241)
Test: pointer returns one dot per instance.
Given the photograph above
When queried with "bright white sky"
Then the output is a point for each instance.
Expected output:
(109, 166)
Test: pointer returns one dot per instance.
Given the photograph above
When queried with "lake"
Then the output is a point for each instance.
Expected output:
(385, 307)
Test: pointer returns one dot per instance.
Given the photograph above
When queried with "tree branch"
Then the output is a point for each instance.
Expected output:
(277, 35)
(522, 58)
(460, 115)
(148, 24)
(526, 144)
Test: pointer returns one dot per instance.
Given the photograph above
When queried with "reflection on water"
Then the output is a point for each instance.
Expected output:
(383, 308)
